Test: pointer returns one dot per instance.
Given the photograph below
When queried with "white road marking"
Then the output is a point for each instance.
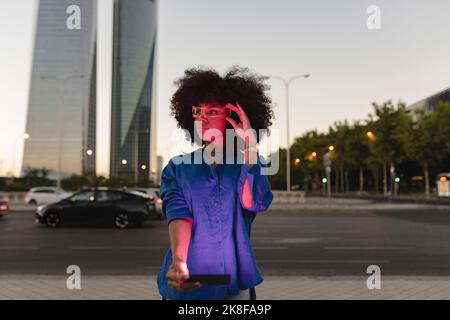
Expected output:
(360, 248)
(113, 247)
(304, 240)
(324, 261)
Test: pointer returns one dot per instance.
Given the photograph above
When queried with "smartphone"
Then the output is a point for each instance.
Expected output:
(210, 279)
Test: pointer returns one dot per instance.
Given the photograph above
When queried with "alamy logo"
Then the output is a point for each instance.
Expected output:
(374, 280)
(73, 21)
(269, 166)
(374, 19)
(74, 280)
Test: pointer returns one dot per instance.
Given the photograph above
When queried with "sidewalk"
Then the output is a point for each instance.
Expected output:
(273, 288)
(345, 204)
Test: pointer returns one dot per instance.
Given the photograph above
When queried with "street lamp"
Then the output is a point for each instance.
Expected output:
(370, 135)
(89, 152)
(61, 81)
(124, 162)
(288, 153)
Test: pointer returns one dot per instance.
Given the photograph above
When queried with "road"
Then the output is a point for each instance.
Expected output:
(306, 242)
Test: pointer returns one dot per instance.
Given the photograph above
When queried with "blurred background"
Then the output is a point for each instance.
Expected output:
(361, 137)
(85, 89)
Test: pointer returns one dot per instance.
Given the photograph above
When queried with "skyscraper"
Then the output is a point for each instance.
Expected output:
(61, 119)
(133, 88)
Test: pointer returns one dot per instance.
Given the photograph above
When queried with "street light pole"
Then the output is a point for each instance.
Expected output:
(288, 151)
(136, 155)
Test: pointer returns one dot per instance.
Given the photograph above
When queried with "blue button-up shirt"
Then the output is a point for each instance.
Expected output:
(221, 225)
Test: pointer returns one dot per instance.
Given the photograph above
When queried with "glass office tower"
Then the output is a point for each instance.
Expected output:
(133, 107)
(61, 118)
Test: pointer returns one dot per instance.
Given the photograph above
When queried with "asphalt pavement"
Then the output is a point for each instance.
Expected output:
(298, 241)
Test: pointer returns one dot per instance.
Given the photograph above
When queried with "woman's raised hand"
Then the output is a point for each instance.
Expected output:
(244, 128)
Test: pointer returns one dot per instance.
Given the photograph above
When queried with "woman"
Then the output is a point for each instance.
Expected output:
(210, 206)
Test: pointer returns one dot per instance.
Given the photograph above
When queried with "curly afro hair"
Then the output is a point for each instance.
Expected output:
(205, 85)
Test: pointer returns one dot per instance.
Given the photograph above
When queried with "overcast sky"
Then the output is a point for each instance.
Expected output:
(350, 65)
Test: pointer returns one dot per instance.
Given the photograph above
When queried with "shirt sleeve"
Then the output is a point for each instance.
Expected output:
(174, 204)
(259, 187)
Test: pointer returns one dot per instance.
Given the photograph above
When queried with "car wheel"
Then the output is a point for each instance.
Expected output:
(121, 221)
(52, 219)
(32, 202)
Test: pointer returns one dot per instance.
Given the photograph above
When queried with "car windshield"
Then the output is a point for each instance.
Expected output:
(138, 193)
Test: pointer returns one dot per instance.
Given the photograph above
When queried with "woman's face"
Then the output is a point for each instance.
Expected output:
(210, 121)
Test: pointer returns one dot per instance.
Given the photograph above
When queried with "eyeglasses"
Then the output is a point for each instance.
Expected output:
(211, 112)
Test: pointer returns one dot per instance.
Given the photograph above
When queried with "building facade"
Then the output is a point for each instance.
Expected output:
(133, 111)
(61, 117)
(430, 103)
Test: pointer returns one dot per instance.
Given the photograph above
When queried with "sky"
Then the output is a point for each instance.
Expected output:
(350, 65)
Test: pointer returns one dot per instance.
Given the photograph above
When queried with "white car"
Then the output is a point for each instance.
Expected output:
(154, 192)
(45, 195)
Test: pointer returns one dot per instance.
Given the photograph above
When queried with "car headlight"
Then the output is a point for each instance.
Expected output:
(40, 209)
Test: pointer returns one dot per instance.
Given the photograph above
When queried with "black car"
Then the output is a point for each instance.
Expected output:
(98, 207)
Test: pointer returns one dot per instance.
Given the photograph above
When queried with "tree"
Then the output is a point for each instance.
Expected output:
(358, 149)
(428, 140)
(388, 129)
(309, 149)
(35, 177)
(278, 180)
(338, 136)
(76, 182)
(122, 181)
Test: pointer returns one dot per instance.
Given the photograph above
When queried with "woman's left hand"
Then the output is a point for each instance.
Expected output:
(243, 129)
